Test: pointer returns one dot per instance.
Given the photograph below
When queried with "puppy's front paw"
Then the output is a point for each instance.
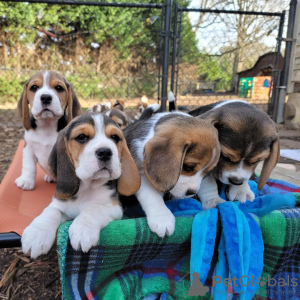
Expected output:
(212, 203)
(25, 184)
(49, 178)
(37, 240)
(242, 193)
(83, 235)
(162, 222)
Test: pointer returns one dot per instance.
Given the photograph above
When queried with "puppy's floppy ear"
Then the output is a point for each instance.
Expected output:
(23, 108)
(130, 180)
(62, 169)
(269, 164)
(163, 159)
(74, 107)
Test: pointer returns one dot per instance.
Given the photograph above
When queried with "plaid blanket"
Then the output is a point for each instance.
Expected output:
(130, 262)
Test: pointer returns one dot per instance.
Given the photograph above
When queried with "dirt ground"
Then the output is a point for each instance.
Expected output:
(22, 277)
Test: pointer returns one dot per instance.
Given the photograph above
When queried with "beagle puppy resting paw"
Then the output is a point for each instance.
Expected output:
(173, 152)
(247, 136)
(91, 163)
(53, 103)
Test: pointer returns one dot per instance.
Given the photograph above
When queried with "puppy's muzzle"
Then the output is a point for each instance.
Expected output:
(236, 181)
(104, 154)
(46, 99)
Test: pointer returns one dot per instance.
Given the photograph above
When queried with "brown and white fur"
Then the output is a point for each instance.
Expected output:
(120, 117)
(247, 136)
(119, 104)
(173, 152)
(53, 103)
(102, 107)
(141, 106)
(91, 163)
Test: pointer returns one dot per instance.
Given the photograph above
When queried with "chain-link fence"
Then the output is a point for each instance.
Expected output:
(113, 50)
(239, 53)
(108, 51)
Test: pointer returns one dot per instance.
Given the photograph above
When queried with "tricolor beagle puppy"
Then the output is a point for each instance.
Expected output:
(53, 103)
(119, 104)
(120, 117)
(173, 152)
(247, 136)
(141, 106)
(91, 163)
(100, 107)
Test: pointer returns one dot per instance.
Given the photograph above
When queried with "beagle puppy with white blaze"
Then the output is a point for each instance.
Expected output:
(53, 104)
(247, 136)
(91, 164)
(173, 152)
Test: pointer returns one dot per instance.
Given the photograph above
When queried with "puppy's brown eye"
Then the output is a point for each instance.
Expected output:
(187, 168)
(115, 138)
(34, 88)
(252, 163)
(59, 88)
(226, 158)
(82, 138)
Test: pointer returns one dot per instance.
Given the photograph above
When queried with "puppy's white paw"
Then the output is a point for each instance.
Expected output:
(162, 222)
(25, 184)
(49, 178)
(83, 235)
(212, 203)
(242, 193)
(37, 240)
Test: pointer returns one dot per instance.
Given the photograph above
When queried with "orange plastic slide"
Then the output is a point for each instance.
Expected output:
(17, 207)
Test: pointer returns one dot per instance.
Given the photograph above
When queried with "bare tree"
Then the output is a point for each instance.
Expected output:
(245, 36)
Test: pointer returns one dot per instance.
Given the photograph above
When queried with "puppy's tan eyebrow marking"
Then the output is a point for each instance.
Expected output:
(234, 156)
(84, 128)
(37, 81)
(111, 129)
(118, 120)
(260, 156)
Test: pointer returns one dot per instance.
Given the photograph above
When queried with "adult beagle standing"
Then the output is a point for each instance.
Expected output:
(247, 136)
(48, 102)
(91, 164)
(173, 152)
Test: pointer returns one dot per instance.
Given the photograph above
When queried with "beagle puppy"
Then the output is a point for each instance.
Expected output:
(247, 136)
(141, 106)
(53, 104)
(119, 104)
(120, 117)
(173, 153)
(100, 107)
(91, 163)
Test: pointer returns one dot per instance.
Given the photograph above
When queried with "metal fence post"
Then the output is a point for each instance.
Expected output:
(166, 49)
(279, 113)
(174, 48)
(273, 104)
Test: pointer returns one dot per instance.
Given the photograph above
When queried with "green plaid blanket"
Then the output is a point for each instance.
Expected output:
(130, 262)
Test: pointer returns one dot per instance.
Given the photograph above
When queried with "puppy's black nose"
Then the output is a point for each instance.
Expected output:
(235, 180)
(103, 154)
(46, 99)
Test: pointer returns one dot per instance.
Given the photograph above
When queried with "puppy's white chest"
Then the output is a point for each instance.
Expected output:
(84, 198)
(41, 142)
